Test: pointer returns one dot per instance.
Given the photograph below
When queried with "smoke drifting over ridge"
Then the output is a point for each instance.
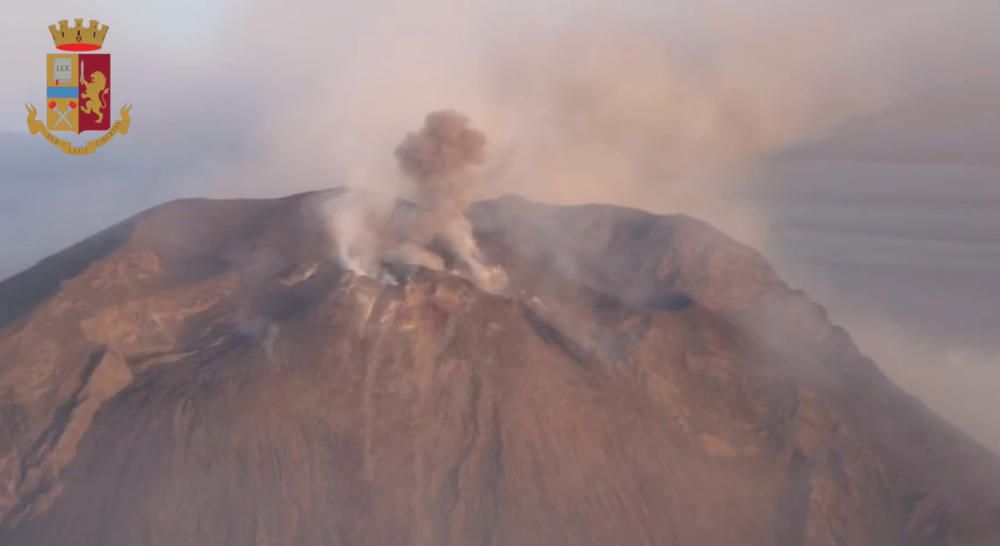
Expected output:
(642, 106)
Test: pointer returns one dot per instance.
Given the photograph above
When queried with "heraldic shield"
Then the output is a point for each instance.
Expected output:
(78, 92)
(78, 89)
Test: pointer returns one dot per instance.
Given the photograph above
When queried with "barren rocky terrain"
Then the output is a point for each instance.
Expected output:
(206, 373)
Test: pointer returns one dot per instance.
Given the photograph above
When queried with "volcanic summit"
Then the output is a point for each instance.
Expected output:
(208, 372)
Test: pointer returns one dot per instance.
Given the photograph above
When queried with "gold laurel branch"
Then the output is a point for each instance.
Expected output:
(34, 126)
(126, 119)
(119, 127)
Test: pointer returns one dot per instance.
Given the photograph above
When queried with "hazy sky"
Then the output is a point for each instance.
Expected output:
(855, 143)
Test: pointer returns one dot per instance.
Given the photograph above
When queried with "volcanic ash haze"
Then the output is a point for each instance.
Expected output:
(442, 161)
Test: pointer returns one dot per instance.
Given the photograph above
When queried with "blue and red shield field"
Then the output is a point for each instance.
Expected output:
(79, 92)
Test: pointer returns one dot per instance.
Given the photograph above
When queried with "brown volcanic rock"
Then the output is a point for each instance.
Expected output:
(204, 374)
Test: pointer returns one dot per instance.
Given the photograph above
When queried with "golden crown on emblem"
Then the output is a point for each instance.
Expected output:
(78, 37)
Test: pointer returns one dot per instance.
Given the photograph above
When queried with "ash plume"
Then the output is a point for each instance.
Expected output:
(446, 146)
(441, 160)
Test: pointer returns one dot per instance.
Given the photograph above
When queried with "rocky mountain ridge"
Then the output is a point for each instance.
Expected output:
(206, 372)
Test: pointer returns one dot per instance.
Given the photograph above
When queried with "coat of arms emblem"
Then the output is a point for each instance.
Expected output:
(78, 89)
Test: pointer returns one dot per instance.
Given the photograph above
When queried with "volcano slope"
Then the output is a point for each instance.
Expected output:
(205, 373)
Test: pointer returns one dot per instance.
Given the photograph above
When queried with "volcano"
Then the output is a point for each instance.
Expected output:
(207, 373)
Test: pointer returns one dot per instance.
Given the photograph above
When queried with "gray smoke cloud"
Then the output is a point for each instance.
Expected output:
(444, 148)
(442, 161)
